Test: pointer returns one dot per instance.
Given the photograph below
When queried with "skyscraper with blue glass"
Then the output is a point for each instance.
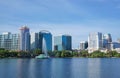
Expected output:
(24, 38)
(63, 42)
(47, 36)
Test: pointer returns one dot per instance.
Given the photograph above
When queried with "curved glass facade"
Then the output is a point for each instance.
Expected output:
(48, 38)
(63, 42)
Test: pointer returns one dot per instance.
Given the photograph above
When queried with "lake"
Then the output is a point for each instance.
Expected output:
(60, 68)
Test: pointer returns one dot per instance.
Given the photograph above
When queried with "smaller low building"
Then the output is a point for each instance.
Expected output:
(83, 45)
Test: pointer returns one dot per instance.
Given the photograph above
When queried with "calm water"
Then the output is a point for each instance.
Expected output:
(60, 68)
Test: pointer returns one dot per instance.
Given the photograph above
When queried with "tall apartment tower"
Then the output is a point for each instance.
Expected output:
(9, 41)
(15, 42)
(95, 42)
(24, 38)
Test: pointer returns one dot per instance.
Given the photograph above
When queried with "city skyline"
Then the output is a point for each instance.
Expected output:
(76, 18)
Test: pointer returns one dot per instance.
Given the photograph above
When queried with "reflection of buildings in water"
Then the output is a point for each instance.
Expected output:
(56, 67)
(19, 68)
(94, 70)
(44, 69)
(32, 68)
(5, 68)
(23, 68)
(61, 68)
(79, 66)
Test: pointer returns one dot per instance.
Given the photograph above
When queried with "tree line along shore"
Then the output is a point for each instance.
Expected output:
(58, 54)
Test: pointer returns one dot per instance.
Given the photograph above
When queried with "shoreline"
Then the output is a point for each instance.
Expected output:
(56, 57)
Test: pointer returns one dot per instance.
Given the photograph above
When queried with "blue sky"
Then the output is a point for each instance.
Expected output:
(74, 17)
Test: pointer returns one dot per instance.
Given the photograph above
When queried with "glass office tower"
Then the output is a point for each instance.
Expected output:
(47, 36)
(63, 42)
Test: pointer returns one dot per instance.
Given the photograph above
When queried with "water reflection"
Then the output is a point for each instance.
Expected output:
(79, 67)
(23, 66)
(94, 70)
(6, 68)
(60, 68)
(44, 68)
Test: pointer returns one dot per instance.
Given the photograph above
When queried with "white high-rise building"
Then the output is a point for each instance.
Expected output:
(94, 41)
(24, 39)
(9, 41)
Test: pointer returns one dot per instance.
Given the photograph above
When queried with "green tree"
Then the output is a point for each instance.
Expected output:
(36, 52)
(13, 54)
(58, 54)
(66, 54)
(111, 54)
(84, 53)
(75, 54)
(24, 54)
(97, 54)
(117, 55)
(4, 53)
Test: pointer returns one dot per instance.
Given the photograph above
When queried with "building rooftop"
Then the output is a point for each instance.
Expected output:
(4, 33)
(83, 42)
(44, 31)
(24, 27)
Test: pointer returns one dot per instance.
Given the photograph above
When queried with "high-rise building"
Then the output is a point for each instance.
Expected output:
(34, 41)
(83, 45)
(15, 42)
(63, 42)
(24, 38)
(6, 40)
(94, 41)
(107, 39)
(58, 43)
(9, 41)
(47, 37)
